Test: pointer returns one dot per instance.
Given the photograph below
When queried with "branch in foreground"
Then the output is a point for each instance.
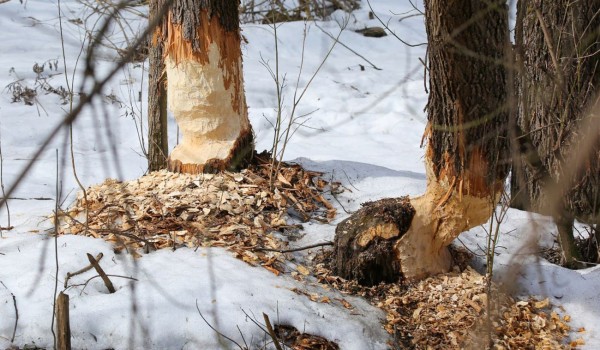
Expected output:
(272, 332)
(213, 328)
(347, 47)
(12, 339)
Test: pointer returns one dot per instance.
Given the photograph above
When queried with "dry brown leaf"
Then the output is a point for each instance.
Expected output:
(345, 303)
(577, 342)
(272, 269)
(303, 270)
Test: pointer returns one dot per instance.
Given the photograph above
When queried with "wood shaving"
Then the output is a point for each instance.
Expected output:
(449, 311)
(238, 211)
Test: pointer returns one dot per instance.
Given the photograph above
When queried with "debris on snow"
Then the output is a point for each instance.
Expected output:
(239, 211)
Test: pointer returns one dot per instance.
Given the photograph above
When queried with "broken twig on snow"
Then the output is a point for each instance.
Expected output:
(102, 274)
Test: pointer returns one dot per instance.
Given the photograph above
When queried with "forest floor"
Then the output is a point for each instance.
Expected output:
(186, 254)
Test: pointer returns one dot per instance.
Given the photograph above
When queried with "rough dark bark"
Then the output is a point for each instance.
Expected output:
(186, 14)
(467, 111)
(467, 151)
(364, 243)
(158, 141)
(558, 62)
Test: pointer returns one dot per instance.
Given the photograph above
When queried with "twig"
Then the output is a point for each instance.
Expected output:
(8, 226)
(96, 276)
(70, 91)
(391, 31)
(295, 249)
(252, 318)
(271, 332)
(340, 203)
(79, 272)
(56, 205)
(96, 89)
(348, 48)
(16, 312)
(216, 331)
(548, 40)
(102, 274)
(242, 335)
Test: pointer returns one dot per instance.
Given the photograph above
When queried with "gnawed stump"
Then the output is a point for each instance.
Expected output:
(364, 247)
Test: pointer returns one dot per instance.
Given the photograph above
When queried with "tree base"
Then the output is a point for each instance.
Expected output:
(239, 157)
(407, 239)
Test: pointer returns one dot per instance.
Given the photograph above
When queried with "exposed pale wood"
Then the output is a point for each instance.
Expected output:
(205, 88)
(423, 248)
(466, 159)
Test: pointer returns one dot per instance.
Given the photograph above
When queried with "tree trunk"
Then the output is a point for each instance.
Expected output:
(558, 61)
(205, 86)
(466, 157)
(158, 141)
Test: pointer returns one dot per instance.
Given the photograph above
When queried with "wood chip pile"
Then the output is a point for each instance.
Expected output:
(449, 312)
(239, 211)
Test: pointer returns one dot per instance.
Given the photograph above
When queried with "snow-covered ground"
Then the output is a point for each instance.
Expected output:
(364, 130)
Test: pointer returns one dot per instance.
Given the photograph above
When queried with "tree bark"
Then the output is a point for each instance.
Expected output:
(558, 61)
(158, 141)
(467, 150)
(205, 86)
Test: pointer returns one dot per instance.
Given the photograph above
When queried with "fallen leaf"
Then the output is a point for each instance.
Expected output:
(303, 270)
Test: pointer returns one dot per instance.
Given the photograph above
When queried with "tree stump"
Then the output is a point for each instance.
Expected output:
(63, 328)
(364, 247)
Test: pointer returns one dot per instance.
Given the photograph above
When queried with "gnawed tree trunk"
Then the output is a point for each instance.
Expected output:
(158, 141)
(205, 89)
(558, 61)
(466, 157)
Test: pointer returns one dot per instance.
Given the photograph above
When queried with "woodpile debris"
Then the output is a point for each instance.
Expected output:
(449, 311)
(239, 211)
(243, 213)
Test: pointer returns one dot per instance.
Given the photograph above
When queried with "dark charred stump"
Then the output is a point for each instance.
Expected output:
(364, 243)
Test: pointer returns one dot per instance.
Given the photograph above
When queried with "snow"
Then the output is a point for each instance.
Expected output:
(364, 130)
